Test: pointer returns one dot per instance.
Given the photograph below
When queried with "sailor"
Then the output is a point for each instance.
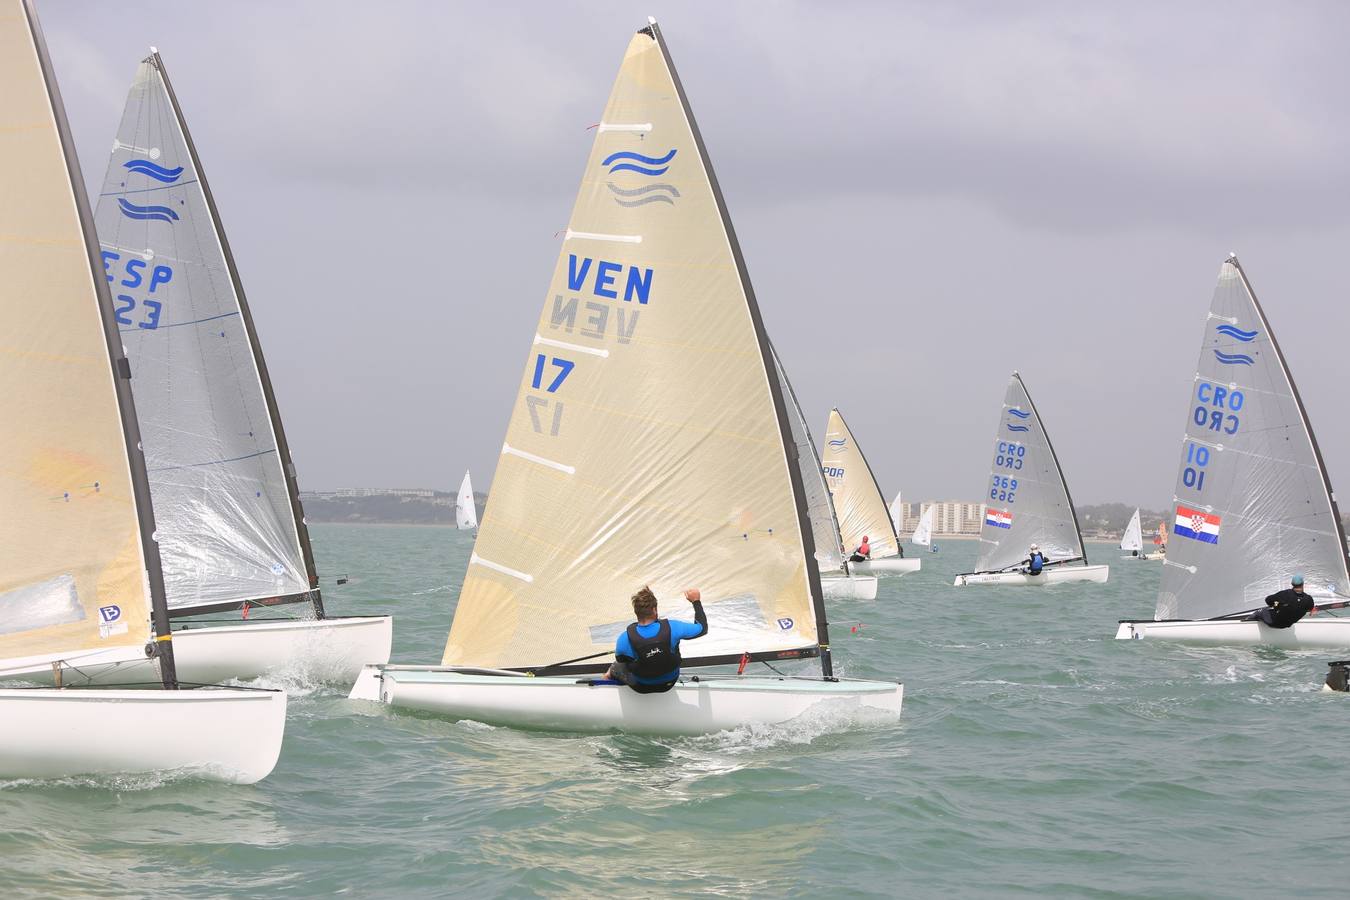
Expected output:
(863, 553)
(647, 654)
(1284, 608)
(1035, 560)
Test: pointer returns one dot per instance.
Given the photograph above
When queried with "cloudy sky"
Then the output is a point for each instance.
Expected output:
(928, 197)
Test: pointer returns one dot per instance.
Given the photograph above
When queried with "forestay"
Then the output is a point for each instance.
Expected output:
(77, 563)
(1026, 499)
(649, 441)
(466, 514)
(1133, 539)
(229, 522)
(1253, 502)
(819, 505)
(857, 497)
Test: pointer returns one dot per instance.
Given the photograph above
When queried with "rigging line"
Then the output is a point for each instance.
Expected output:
(178, 324)
(162, 187)
(214, 462)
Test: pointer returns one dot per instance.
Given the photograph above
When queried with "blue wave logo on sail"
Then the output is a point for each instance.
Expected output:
(650, 193)
(643, 165)
(157, 172)
(1233, 359)
(153, 213)
(1012, 427)
(841, 444)
(1233, 331)
(1017, 412)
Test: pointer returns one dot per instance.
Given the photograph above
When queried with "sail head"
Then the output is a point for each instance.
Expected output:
(648, 443)
(1253, 503)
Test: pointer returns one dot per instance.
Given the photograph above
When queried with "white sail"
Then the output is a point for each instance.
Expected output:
(923, 533)
(857, 498)
(466, 514)
(1253, 503)
(649, 441)
(897, 514)
(228, 518)
(1133, 539)
(1026, 498)
(78, 567)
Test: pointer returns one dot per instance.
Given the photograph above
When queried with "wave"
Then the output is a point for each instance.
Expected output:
(629, 167)
(1233, 359)
(1017, 412)
(155, 213)
(839, 444)
(157, 172)
(1233, 331)
(652, 193)
(1012, 427)
(629, 154)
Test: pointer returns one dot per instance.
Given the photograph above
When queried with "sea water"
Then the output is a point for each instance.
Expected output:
(1036, 757)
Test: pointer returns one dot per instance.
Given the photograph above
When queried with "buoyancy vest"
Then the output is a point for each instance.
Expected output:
(654, 656)
(1037, 561)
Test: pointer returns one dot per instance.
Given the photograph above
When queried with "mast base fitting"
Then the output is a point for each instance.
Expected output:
(1338, 676)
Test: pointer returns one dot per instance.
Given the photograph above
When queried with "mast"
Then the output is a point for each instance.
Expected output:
(1073, 512)
(140, 480)
(1302, 413)
(765, 352)
(283, 448)
(863, 456)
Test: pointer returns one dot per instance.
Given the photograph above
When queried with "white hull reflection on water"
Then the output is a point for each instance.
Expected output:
(1036, 757)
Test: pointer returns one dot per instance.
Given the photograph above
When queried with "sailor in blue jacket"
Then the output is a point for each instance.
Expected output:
(647, 654)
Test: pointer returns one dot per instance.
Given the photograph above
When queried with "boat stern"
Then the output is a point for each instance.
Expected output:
(1126, 632)
(368, 684)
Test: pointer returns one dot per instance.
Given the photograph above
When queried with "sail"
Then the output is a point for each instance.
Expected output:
(819, 505)
(1253, 504)
(77, 567)
(897, 514)
(1026, 499)
(229, 525)
(1160, 538)
(923, 534)
(466, 515)
(649, 443)
(1133, 539)
(857, 498)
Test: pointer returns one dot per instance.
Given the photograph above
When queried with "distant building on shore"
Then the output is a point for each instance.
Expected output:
(950, 517)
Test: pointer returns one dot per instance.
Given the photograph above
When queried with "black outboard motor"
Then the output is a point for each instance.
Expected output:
(1338, 676)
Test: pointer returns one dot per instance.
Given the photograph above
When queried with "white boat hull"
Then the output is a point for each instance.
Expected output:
(849, 588)
(217, 734)
(887, 565)
(1146, 557)
(1053, 575)
(561, 704)
(318, 650)
(1328, 633)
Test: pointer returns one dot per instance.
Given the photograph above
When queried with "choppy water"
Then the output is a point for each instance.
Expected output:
(1036, 757)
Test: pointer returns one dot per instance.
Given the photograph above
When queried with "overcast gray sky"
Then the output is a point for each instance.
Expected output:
(928, 196)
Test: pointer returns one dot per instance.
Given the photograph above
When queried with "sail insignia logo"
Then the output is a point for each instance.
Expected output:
(839, 446)
(646, 166)
(785, 624)
(153, 170)
(1237, 334)
(998, 518)
(146, 213)
(1196, 525)
(109, 614)
(1014, 411)
(110, 621)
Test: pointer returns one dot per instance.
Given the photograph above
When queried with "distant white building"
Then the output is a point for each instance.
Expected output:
(949, 517)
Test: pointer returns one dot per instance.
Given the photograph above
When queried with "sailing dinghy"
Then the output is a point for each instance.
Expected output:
(1254, 504)
(923, 532)
(1027, 502)
(649, 444)
(232, 533)
(80, 576)
(1132, 541)
(835, 578)
(466, 514)
(859, 502)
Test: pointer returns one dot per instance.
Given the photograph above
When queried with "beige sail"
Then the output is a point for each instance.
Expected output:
(72, 575)
(646, 445)
(857, 498)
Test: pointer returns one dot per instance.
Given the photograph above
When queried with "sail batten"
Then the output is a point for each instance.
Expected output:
(1026, 497)
(230, 521)
(857, 496)
(659, 452)
(1253, 503)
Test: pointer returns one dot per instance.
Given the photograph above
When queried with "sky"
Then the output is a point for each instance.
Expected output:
(928, 196)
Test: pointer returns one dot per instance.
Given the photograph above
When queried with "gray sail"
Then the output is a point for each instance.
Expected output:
(1026, 498)
(1253, 504)
(228, 529)
(819, 505)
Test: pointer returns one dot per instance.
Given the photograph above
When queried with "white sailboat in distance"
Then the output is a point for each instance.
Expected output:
(861, 506)
(80, 576)
(1027, 502)
(466, 514)
(1132, 541)
(649, 445)
(923, 532)
(1253, 501)
(231, 529)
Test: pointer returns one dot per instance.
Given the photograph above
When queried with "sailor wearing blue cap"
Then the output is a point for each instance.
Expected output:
(1284, 608)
